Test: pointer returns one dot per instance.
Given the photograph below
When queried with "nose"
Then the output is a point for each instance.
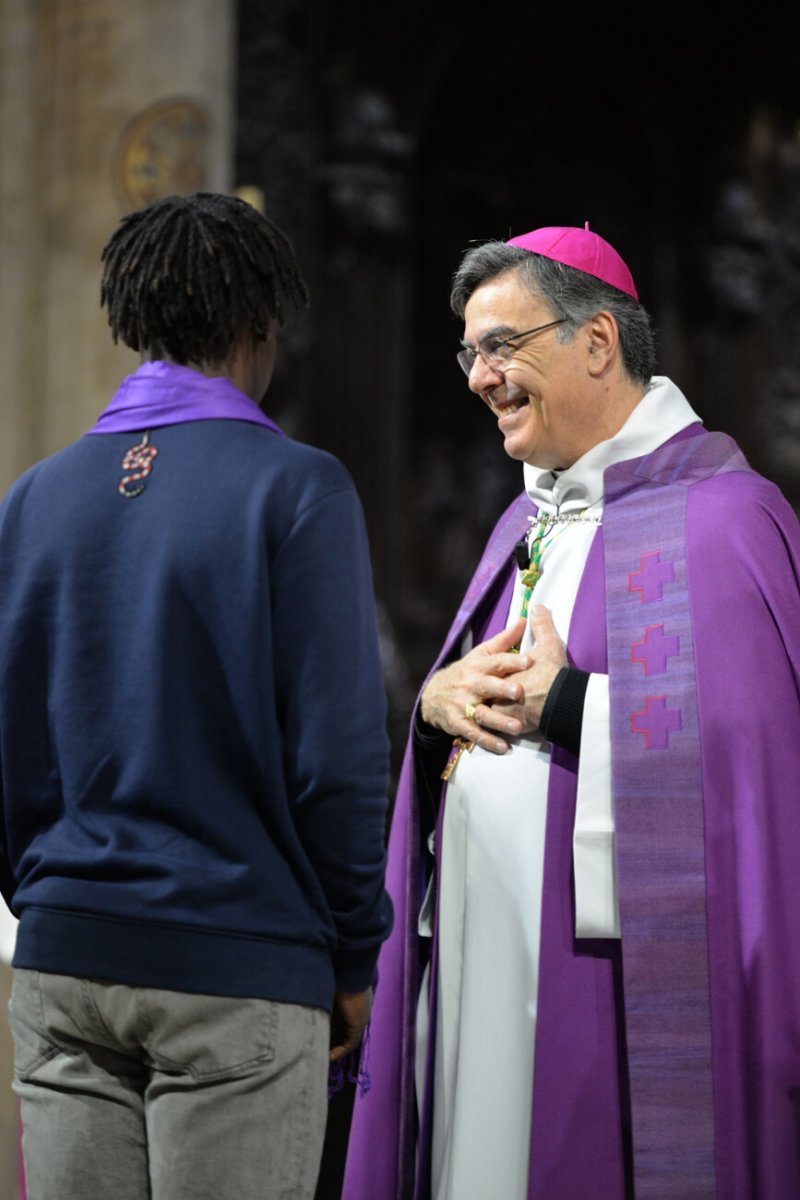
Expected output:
(483, 378)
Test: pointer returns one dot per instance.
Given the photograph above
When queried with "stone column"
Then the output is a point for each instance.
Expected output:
(104, 105)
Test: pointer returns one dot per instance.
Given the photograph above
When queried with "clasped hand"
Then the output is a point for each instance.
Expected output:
(507, 690)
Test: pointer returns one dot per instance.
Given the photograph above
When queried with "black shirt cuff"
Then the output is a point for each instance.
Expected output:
(432, 748)
(562, 715)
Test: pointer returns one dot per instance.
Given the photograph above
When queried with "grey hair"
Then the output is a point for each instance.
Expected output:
(568, 293)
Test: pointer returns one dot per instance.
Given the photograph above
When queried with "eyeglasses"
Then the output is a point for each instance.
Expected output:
(498, 352)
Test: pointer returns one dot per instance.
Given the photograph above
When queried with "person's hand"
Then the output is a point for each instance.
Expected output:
(549, 656)
(351, 1011)
(461, 698)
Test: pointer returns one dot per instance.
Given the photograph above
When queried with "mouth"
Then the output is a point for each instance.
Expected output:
(508, 408)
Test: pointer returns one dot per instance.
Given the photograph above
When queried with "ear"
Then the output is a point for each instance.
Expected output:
(603, 337)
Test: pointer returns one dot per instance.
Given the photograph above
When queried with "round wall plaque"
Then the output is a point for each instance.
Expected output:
(162, 152)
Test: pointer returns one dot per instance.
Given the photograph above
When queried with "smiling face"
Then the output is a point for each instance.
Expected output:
(546, 399)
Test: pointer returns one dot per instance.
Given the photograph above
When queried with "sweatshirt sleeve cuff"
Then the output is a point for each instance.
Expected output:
(355, 970)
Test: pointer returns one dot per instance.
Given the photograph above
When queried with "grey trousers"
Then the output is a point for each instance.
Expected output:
(143, 1094)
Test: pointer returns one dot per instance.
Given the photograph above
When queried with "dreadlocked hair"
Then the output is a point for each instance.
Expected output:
(188, 276)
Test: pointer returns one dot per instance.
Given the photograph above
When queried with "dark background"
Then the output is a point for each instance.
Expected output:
(386, 139)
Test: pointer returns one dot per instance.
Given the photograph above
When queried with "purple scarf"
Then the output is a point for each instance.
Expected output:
(164, 393)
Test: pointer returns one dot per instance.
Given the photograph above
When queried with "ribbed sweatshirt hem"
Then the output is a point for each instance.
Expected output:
(175, 957)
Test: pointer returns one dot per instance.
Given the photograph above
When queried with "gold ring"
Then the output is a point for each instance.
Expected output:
(469, 712)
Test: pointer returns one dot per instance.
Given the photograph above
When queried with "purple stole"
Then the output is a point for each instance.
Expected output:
(658, 801)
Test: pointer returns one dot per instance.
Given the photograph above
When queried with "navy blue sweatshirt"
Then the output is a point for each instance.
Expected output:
(192, 722)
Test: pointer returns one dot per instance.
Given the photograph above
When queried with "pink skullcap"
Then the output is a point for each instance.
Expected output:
(581, 249)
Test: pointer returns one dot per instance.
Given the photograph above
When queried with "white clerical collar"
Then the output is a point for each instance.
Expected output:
(662, 412)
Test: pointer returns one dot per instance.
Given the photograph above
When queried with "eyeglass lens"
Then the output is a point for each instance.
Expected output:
(496, 352)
